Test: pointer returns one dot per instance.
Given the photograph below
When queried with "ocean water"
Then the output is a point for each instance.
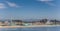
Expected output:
(32, 29)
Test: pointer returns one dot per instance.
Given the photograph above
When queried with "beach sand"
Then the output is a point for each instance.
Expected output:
(29, 26)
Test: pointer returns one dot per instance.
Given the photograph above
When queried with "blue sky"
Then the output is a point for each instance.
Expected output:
(29, 9)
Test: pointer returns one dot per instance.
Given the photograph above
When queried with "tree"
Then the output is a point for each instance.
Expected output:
(44, 20)
(54, 21)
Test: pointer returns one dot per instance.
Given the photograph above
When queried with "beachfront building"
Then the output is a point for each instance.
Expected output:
(16, 22)
(32, 23)
(55, 22)
(38, 23)
(48, 22)
(41, 22)
(1, 23)
(26, 23)
(4, 23)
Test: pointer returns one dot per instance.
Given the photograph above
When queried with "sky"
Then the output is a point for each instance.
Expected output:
(29, 9)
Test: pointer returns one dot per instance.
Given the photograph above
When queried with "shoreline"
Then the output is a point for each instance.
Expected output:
(29, 26)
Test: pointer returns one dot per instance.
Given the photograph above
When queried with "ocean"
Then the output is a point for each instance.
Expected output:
(32, 29)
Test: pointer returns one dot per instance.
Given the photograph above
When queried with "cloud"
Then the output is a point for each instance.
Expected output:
(2, 6)
(12, 4)
(45, 0)
(49, 2)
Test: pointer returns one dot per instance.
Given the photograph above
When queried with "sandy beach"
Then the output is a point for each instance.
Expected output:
(29, 26)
